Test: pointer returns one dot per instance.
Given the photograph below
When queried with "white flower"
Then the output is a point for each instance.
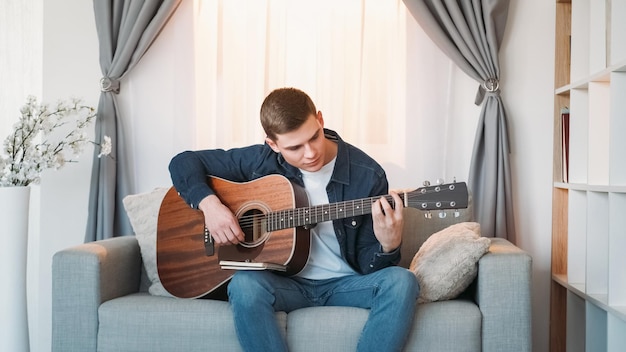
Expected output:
(105, 147)
(40, 140)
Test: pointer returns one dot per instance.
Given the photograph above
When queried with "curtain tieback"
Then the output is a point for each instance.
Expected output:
(491, 86)
(109, 85)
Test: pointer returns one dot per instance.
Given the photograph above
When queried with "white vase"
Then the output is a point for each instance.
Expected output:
(14, 208)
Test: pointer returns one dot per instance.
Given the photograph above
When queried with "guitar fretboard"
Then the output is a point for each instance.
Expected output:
(450, 196)
(312, 215)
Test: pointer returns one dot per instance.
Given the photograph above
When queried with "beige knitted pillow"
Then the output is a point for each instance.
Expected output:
(446, 264)
(143, 212)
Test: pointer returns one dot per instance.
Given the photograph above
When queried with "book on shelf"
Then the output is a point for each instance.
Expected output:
(248, 265)
(565, 144)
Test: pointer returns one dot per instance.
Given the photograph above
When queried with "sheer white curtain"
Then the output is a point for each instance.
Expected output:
(348, 55)
(378, 80)
(21, 41)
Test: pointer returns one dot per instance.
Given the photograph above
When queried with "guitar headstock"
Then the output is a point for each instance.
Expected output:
(439, 197)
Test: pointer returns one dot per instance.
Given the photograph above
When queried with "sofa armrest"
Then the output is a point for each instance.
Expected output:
(82, 278)
(503, 293)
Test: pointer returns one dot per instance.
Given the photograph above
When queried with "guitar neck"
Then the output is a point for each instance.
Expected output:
(440, 197)
(327, 212)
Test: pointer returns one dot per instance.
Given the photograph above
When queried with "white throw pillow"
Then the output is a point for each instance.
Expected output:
(446, 264)
(143, 212)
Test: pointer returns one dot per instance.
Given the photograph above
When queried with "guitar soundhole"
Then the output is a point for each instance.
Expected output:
(253, 223)
(253, 226)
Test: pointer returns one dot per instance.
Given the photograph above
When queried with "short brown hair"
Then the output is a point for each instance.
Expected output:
(285, 110)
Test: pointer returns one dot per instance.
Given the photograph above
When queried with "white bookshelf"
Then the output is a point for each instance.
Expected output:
(597, 32)
(617, 140)
(598, 133)
(617, 28)
(617, 243)
(597, 244)
(580, 40)
(577, 238)
(588, 303)
(595, 333)
(579, 138)
(616, 328)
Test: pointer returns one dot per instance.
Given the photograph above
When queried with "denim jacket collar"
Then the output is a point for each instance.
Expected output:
(341, 174)
(342, 165)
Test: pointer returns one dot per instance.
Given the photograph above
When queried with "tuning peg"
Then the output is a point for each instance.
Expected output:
(442, 214)
(426, 183)
(440, 181)
(428, 215)
(457, 213)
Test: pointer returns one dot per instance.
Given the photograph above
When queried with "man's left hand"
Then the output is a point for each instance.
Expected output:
(388, 222)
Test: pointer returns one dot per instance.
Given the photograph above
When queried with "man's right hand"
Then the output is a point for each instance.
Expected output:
(220, 221)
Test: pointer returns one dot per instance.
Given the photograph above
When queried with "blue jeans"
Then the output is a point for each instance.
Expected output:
(389, 293)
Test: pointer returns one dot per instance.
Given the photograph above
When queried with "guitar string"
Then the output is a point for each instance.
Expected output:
(343, 207)
(248, 221)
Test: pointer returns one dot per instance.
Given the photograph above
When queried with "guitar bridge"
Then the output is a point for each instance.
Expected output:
(209, 247)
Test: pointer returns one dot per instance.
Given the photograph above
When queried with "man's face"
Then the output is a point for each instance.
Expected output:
(304, 148)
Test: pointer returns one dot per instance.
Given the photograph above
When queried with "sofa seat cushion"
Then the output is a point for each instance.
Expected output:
(325, 328)
(142, 322)
(453, 325)
(446, 326)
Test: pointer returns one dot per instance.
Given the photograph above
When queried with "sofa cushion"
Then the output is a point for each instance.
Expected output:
(446, 264)
(143, 212)
(142, 322)
(447, 326)
(325, 328)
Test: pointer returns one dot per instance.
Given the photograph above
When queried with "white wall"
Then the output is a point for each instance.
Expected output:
(527, 57)
(160, 127)
(447, 156)
(71, 68)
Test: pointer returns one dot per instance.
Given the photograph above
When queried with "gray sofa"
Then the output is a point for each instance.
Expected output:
(100, 303)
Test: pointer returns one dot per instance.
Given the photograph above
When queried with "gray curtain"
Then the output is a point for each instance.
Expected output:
(126, 29)
(469, 32)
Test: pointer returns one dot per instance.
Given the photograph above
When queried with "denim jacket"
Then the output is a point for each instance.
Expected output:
(356, 175)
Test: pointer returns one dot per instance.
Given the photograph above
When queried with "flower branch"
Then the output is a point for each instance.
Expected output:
(38, 141)
(105, 147)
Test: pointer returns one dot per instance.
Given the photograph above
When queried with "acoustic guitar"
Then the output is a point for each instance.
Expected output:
(276, 218)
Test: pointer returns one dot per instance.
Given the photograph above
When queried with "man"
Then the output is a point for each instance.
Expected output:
(352, 261)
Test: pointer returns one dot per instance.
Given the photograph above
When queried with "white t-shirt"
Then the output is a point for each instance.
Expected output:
(325, 259)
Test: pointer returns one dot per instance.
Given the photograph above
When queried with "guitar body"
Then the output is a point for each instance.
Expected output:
(188, 261)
